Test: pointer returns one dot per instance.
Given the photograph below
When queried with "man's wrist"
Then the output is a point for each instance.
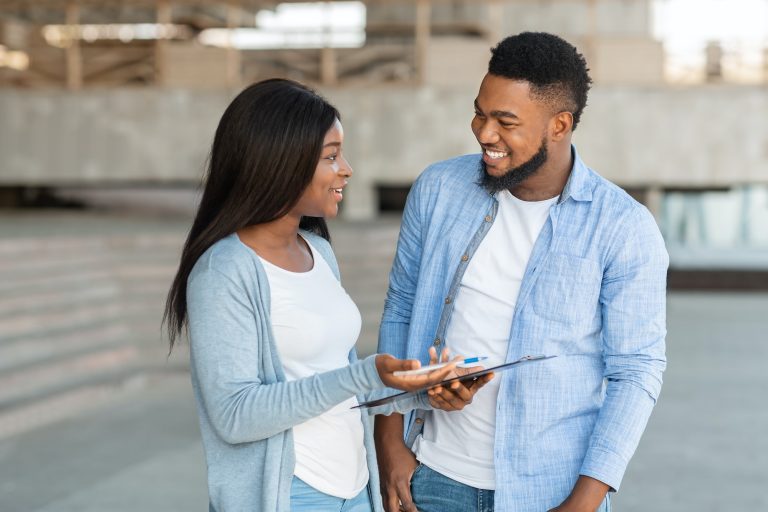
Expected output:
(587, 495)
(388, 429)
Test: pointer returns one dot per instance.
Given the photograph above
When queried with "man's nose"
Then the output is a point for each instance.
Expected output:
(487, 134)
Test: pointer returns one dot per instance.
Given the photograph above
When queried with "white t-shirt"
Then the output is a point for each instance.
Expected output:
(460, 444)
(316, 324)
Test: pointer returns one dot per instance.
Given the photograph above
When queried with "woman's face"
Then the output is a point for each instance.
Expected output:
(324, 193)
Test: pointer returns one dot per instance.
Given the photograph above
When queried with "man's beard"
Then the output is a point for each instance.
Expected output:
(514, 176)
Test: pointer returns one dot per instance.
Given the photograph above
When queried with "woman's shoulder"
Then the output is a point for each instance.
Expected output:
(229, 256)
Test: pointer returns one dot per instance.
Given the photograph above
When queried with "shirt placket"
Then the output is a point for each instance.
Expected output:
(417, 420)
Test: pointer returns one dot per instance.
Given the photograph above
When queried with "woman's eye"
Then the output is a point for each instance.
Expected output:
(332, 158)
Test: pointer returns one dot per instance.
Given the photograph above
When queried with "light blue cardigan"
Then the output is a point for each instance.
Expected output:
(246, 407)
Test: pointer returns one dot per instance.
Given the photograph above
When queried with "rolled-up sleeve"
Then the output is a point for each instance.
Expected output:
(633, 305)
(403, 278)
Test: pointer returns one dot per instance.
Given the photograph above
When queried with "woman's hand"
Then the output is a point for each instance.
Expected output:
(387, 365)
(457, 394)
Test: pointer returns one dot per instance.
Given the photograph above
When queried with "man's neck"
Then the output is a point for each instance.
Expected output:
(550, 180)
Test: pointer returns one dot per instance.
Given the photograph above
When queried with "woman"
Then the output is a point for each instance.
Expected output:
(271, 329)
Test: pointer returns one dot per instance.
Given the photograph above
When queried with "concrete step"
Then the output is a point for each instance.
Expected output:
(49, 265)
(31, 326)
(83, 295)
(27, 384)
(86, 244)
(30, 351)
(67, 402)
(22, 283)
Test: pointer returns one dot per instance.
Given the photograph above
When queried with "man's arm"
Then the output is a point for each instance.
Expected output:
(396, 461)
(587, 495)
(633, 304)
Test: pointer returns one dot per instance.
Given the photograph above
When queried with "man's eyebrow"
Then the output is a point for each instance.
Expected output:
(497, 113)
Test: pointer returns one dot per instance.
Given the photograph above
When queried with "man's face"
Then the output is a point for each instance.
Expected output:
(511, 128)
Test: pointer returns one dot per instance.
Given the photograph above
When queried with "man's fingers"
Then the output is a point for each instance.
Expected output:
(432, 355)
(404, 493)
(448, 401)
(438, 402)
(482, 381)
(462, 389)
(391, 501)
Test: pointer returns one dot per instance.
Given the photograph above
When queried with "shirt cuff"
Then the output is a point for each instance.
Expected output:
(604, 466)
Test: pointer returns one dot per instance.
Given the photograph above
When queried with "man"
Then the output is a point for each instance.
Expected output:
(519, 251)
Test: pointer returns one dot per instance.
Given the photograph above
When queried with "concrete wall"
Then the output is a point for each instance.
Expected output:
(642, 136)
(626, 18)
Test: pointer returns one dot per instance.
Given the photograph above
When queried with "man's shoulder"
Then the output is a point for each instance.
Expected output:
(606, 191)
(618, 208)
(464, 168)
(455, 175)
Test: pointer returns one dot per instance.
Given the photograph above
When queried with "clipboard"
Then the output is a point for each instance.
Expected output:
(462, 378)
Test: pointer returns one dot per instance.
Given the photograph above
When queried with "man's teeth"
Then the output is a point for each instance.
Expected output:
(495, 154)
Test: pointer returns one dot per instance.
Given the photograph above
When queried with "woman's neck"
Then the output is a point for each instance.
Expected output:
(278, 242)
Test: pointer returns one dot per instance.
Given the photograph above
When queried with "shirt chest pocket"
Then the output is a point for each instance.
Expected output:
(567, 290)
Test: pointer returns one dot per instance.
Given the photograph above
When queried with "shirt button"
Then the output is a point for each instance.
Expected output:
(464, 258)
(488, 218)
(437, 342)
(447, 300)
(419, 421)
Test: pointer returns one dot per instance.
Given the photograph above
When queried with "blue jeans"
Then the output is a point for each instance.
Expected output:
(305, 498)
(433, 492)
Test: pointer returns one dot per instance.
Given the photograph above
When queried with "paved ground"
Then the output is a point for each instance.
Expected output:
(95, 417)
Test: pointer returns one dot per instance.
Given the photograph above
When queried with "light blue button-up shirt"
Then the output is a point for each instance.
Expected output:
(593, 294)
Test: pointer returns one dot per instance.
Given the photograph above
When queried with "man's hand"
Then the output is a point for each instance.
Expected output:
(396, 464)
(458, 394)
(587, 495)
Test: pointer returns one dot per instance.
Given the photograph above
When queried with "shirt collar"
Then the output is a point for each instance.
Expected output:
(579, 184)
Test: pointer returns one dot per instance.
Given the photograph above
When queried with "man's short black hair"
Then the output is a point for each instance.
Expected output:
(557, 72)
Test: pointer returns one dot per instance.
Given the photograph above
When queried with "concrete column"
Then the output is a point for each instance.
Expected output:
(495, 18)
(161, 45)
(233, 57)
(653, 201)
(328, 71)
(423, 22)
(73, 54)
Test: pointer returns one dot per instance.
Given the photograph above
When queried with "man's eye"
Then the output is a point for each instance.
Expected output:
(507, 125)
(479, 114)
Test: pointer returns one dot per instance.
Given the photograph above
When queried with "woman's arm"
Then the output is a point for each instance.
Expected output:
(227, 343)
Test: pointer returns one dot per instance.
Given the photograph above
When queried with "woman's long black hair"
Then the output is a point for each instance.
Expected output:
(264, 155)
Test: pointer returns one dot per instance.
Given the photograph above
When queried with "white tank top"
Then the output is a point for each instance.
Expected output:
(316, 324)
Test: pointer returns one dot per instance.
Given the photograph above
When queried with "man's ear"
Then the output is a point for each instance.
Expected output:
(560, 125)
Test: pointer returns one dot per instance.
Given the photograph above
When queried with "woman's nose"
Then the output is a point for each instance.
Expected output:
(346, 169)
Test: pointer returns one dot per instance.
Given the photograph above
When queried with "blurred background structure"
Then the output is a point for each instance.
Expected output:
(107, 111)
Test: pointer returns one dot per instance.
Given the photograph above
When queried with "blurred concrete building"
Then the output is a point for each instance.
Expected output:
(115, 92)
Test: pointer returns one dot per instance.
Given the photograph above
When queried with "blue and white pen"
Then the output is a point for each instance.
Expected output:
(433, 367)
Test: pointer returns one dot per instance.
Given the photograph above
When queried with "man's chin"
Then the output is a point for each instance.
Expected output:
(495, 171)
